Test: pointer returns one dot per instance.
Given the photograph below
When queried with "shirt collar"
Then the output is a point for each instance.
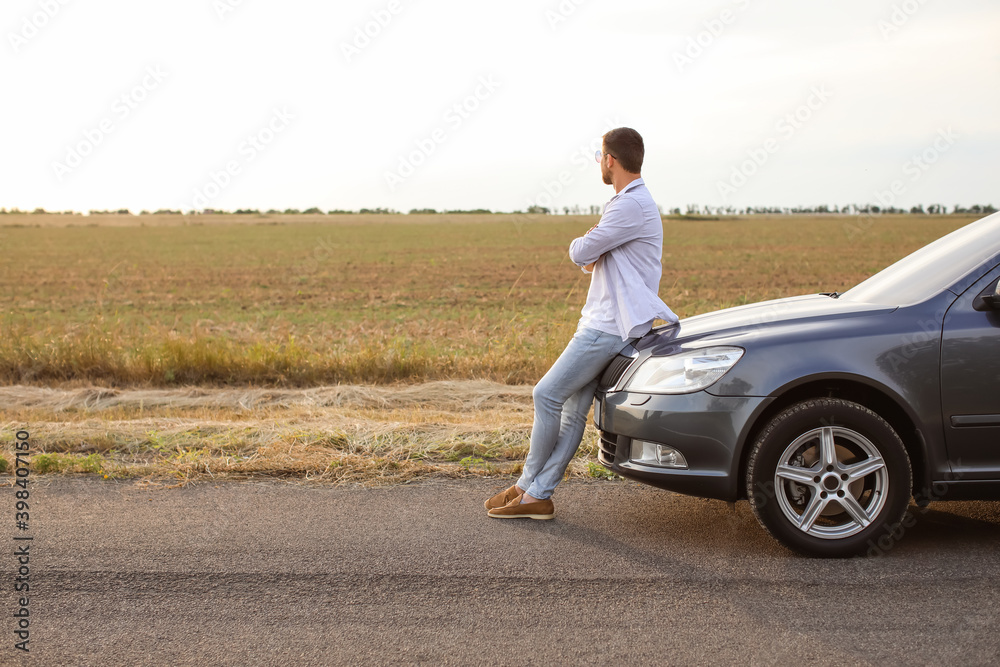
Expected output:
(634, 184)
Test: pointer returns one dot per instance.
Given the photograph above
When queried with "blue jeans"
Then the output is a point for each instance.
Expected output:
(562, 400)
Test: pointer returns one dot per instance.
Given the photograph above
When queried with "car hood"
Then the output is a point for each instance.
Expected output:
(733, 324)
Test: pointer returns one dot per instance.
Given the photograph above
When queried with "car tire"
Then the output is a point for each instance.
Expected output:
(828, 477)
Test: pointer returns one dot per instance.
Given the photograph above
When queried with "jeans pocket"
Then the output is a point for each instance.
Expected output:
(587, 335)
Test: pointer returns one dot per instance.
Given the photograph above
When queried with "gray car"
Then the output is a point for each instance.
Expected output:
(828, 412)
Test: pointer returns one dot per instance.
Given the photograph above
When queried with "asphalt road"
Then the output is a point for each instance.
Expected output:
(283, 574)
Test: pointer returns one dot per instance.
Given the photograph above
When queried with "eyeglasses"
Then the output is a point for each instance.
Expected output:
(599, 155)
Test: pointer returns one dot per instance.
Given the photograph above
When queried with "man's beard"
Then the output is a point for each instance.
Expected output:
(606, 175)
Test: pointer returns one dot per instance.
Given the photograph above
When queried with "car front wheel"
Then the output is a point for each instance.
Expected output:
(828, 477)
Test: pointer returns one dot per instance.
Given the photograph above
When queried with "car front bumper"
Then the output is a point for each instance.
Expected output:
(708, 430)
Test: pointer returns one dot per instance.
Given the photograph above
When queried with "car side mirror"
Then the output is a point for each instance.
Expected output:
(989, 299)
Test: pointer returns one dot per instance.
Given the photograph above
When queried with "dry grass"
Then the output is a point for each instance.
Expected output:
(345, 434)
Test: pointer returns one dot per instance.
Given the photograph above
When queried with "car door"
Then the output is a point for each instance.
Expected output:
(970, 383)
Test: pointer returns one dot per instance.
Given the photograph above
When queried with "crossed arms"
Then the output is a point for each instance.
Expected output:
(622, 222)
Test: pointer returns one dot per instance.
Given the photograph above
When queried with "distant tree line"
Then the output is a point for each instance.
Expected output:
(847, 209)
(690, 210)
(37, 211)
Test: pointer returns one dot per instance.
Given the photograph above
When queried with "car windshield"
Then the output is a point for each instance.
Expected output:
(933, 268)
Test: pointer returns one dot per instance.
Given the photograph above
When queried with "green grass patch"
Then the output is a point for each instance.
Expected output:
(597, 471)
(54, 462)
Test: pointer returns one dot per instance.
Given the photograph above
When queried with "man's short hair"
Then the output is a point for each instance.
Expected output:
(626, 145)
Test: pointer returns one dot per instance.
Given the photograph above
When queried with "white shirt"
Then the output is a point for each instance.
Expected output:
(627, 245)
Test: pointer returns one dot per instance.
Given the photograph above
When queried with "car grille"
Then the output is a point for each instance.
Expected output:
(614, 372)
(608, 447)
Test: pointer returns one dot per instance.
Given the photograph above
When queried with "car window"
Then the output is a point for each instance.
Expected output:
(933, 268)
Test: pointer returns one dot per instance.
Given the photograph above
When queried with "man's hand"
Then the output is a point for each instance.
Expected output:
(590, 267)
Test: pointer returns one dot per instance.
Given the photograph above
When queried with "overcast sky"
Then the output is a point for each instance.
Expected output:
(451, 104)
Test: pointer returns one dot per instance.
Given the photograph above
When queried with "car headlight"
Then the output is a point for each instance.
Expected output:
(685, 372)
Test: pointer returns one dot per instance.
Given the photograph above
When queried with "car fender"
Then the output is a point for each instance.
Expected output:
(895, 356)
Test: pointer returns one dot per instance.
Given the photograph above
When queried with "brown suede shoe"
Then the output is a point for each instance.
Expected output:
(502, 498)
(542, 509)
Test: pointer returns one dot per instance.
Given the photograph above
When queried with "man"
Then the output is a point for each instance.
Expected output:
(623, 254)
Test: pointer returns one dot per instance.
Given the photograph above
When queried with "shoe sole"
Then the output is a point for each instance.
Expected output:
(542, 517)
